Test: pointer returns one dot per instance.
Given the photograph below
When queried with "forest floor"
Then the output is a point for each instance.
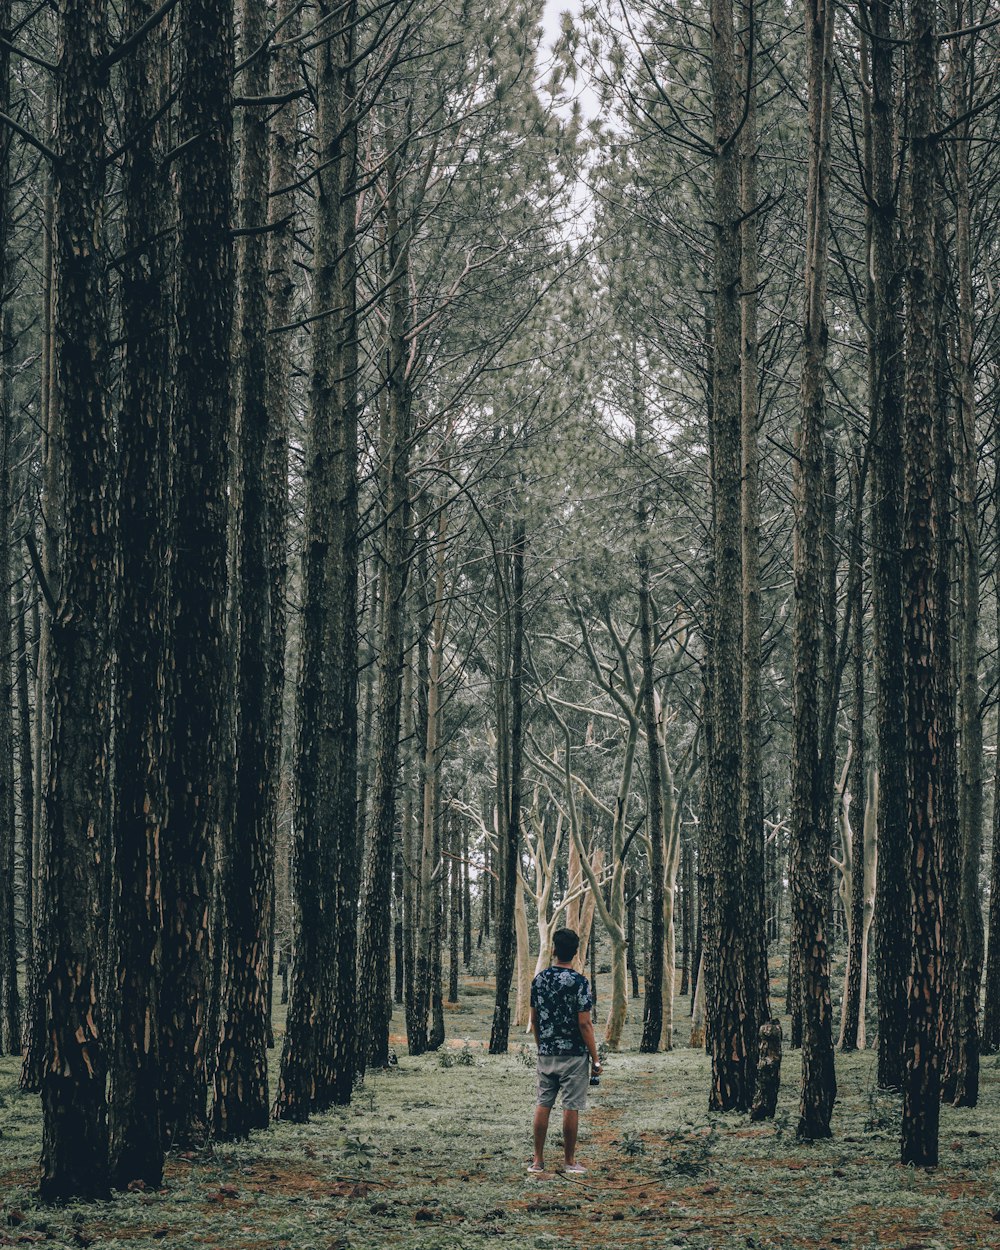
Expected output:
(432, 1156)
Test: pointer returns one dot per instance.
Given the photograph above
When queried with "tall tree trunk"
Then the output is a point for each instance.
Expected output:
(74, 1133)
(317, 1061)
(990, 1041)
(965, 1052)
(830, 675)
(653, 1006)
(455, 909)
(406, 848)
(810, 871)
(630, 932)
(946, 815)
(198, 721)
(393, 559)
(885, 388)
(511, 833)
(430, 864)
(652, 1021)
(466, 900)
(851, 1021)
(731, 1031)
(241, 1098)
(10, 1003)
(143, 590)
(285, 81)
(31, 1069)
(921, 611)
(420, 849)
(751, 737)
(439, 888)
(398, 930)
(26, 783)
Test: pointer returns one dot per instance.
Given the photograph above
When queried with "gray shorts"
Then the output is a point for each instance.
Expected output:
(569, 1073)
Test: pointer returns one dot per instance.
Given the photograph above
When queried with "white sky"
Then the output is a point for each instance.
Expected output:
(551, 16)
(551, 25)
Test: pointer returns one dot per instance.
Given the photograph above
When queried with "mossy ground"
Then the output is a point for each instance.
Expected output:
(432, 1157)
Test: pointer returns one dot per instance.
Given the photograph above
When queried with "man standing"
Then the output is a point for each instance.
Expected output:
(564, 1034)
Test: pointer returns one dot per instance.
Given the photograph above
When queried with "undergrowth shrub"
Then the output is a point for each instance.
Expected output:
(690, 1151)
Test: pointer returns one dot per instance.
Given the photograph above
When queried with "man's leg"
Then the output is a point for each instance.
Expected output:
(541, 1128)
(571, 1125)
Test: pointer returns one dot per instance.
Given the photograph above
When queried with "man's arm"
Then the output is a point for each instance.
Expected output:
(589, 1040)
(534, 1024)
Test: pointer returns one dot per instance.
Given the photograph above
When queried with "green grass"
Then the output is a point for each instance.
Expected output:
(432, 1158)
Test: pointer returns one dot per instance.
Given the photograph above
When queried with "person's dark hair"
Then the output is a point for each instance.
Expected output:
(565, 943)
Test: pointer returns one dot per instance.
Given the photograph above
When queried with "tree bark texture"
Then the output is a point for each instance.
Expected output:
(653, 1006)
(921, 614)
(965, 1050)
(453, 842)
(765, 1098)
(143, 591)
(810, 872)
(74, 1135)
(31, 1069)
(851, 1021)
(392, 554)
(241, 1099)
(885, 388)
(281, 295)
(317, 1061)
(198, 719)
(505, 946)
(10, 1006)
(730, 996)
(751, 737)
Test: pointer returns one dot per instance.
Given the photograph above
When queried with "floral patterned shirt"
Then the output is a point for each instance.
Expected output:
(558, 995)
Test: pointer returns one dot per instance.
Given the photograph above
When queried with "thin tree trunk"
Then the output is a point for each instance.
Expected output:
(10, 1002)
(466, 900)
(885, 384)
(285, 79)
(398, 939)
(732, 1033)
(652, 1016)
(853, 991)
(830, 675)
(454, 911)
(810, 873)
(630, 931)
(965, 1092)
(751, 737)
(430, 865)
(26, 785)
(947, 815)
(241, 1096)
(393, 564)
(990, 1041)
(31, 1069)
(512, 831)
(921, 612)
(436, 1034)
(317, 1061)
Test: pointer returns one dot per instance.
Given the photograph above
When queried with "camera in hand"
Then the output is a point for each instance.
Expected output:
(595, 1077)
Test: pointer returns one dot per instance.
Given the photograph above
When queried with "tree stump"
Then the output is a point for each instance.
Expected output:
(765, 1096)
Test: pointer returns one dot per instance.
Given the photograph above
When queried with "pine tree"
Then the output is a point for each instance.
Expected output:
(199, 699)
(75, 1129)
